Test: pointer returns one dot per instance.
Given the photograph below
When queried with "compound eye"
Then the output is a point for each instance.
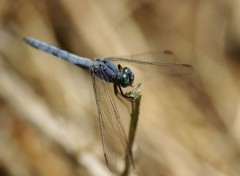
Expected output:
(127, 77)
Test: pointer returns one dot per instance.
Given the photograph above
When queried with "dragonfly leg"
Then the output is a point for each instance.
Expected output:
(119, 67)
(115, 89)
(125, 96)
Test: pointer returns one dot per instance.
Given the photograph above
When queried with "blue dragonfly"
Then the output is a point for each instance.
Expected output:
(103, 72)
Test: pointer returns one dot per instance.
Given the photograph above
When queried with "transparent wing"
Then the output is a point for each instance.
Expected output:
(162, 61)
(114, 140)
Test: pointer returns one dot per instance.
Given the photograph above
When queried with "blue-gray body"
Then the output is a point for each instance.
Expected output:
(102, 68)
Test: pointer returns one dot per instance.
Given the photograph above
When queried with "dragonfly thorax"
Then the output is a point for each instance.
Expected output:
(127, 77)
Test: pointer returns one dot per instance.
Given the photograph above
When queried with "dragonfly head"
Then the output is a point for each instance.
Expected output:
(127, 77)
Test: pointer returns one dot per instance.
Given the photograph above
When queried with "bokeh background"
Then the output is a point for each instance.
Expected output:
(189, 125)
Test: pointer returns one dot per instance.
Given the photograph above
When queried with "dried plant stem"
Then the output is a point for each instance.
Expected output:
(135, 106)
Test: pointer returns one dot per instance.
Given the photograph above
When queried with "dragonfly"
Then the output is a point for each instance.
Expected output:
(104, 73)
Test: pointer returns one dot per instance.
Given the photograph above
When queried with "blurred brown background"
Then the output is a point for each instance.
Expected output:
(189, 126)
